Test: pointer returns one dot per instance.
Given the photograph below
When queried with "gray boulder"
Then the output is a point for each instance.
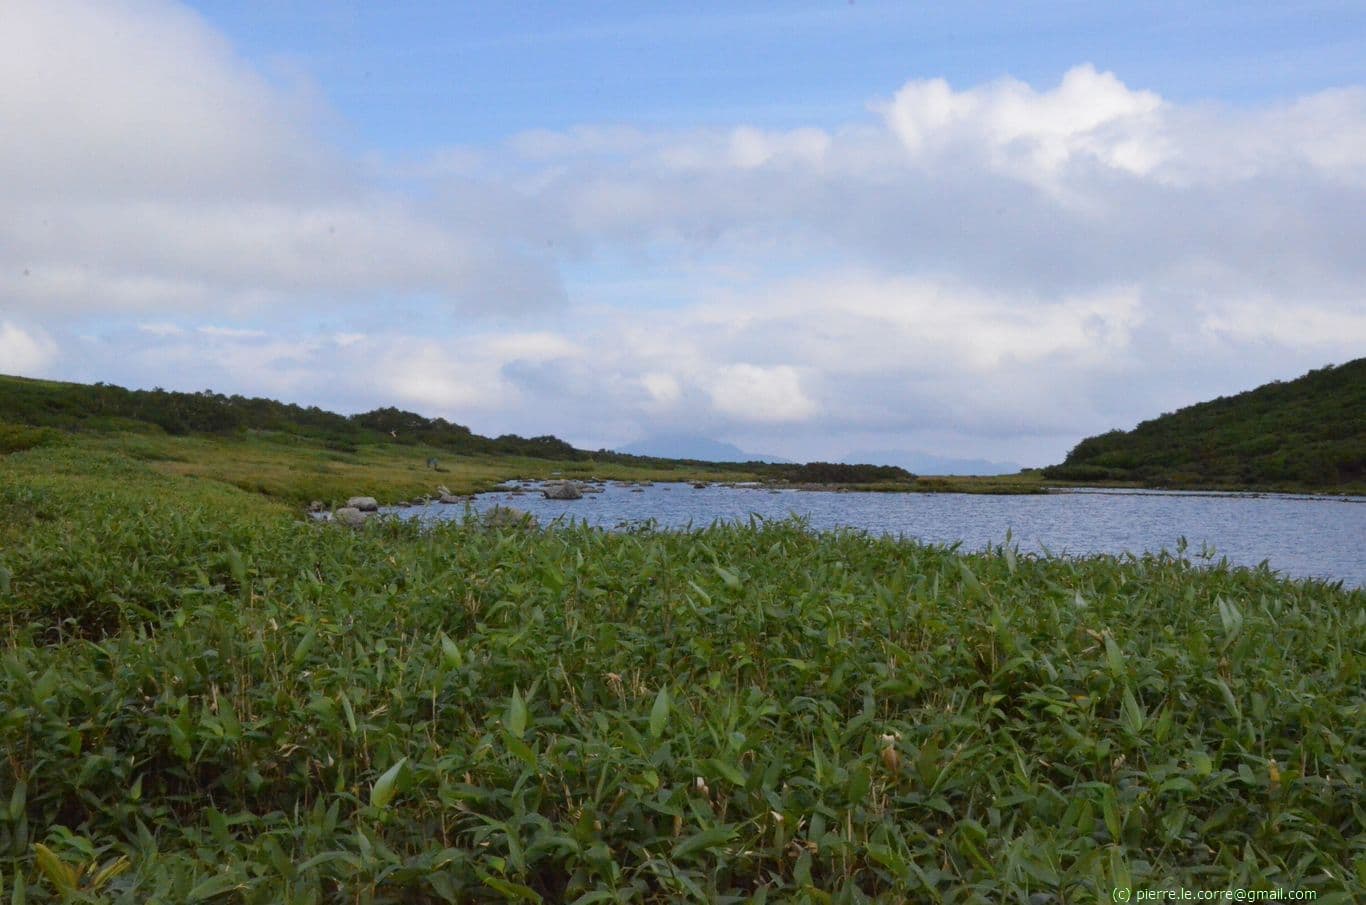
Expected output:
(350, 516)
(363, 503)
(562, 490)
(508, 517)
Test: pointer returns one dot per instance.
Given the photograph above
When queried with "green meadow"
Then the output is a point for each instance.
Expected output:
(206, 698)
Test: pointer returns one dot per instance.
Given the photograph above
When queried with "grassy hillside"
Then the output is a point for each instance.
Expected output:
(1305, 434)
(306, 453)
(206, 699)
(297, 454)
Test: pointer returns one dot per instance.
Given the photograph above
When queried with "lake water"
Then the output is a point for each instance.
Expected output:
(1303, 537)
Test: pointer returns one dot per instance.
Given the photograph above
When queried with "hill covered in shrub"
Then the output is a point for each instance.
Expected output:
(41, 412)
(1307, 433)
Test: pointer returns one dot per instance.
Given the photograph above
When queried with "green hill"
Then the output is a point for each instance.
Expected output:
(44, 412)
(103, 407)
(1306, 434)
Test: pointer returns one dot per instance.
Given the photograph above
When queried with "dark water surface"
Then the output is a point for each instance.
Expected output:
(1303, 537)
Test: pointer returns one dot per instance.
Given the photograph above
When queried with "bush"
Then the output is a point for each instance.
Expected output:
(17, 438)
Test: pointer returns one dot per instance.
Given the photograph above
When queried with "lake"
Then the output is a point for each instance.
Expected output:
(1299, 536)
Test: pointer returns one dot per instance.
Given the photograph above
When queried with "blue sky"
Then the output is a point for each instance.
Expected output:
(981, 230)
(408, 75)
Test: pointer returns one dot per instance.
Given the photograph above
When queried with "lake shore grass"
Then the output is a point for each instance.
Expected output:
(205, 698)
(297, 470)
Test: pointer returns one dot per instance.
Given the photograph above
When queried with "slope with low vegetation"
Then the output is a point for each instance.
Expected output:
(301, 453)
(1305, 434)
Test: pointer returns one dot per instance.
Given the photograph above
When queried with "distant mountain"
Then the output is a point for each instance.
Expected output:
(923, 463)
(1309, 433)
(693, 446)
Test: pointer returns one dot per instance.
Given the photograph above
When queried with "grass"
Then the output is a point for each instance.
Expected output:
(296, 471)
(205, 699)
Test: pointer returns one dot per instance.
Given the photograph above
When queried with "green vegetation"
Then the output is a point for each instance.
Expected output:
(75, 406)
(839, 473)
(205, 699)
(241, 431)
(1308, 434)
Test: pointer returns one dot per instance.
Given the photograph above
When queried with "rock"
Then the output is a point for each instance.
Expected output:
(350, 516)
(363, 503)
(508, 517)
(562, 490)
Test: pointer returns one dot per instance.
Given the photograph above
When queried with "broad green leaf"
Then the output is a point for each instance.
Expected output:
(513, 890)
(718, 835)
(305, 645)
(970, 581)
(1109, 809)
(521, 749)
(385, 786)
(1231, 619)
(1114, 656)
(515, 718)
(450, 652)
(348, 711)
(727, 771)
(1132, 711)
(659, 713)
(214, 886)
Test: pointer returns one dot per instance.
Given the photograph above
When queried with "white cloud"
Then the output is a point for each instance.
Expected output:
(230, 332)
(147, 167)
(1034, 133)
(663, 388)
(760, 394)
(25, 353)
(161, 328)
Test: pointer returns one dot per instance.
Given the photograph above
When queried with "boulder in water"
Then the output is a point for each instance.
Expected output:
(363, 503)
(508, 517)
(350, 516)
(562, 490)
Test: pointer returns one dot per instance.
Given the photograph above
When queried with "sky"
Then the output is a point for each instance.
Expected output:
(808, 228)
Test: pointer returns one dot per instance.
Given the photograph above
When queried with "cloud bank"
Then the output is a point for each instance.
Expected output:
(992, 270)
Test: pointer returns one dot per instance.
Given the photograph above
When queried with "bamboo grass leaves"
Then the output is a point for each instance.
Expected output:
(466, 714)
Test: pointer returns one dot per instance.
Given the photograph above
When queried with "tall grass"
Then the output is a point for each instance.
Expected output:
(203, 699)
